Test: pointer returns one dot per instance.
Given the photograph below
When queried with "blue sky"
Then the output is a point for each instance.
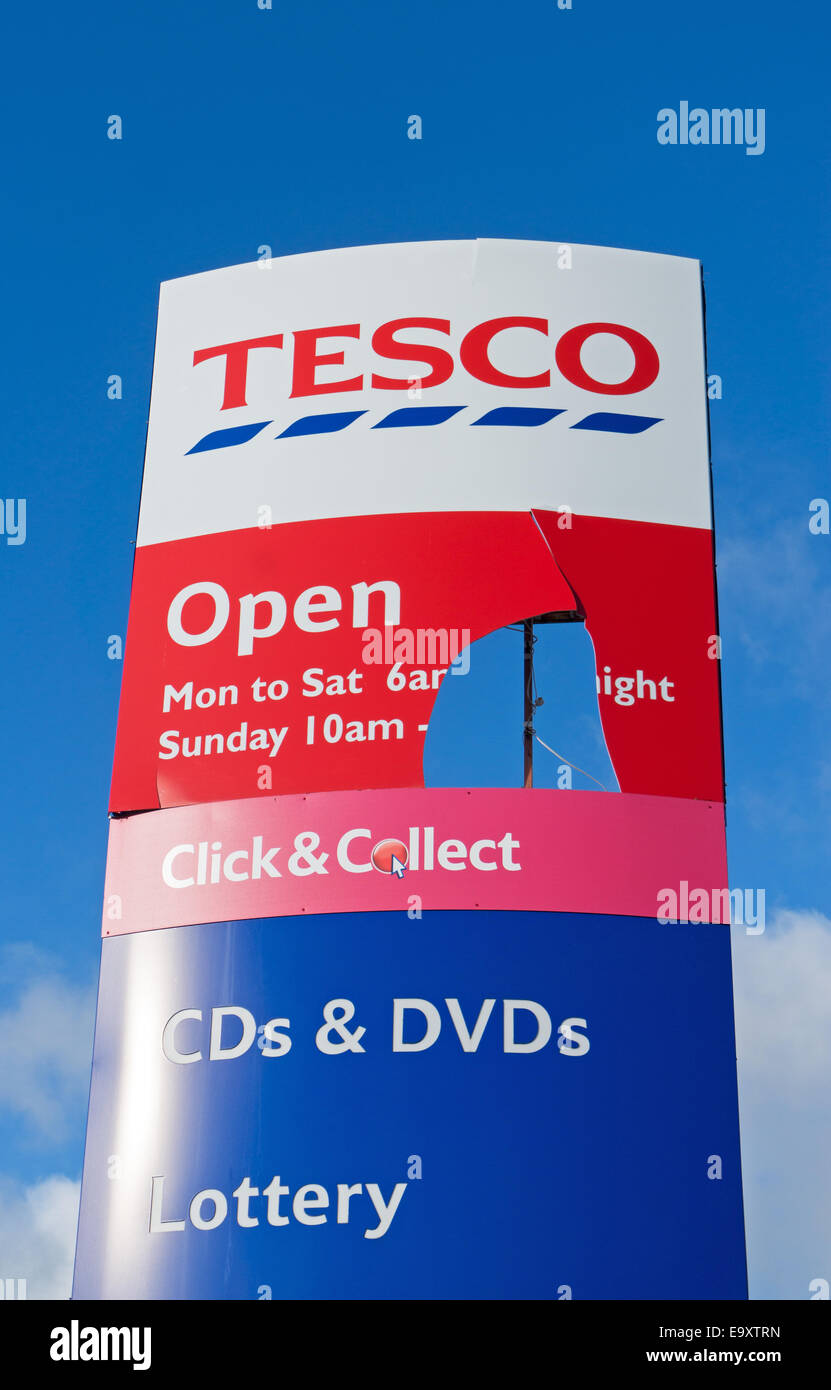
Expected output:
(288, 127)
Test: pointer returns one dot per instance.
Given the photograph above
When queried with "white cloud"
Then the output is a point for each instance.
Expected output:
(783, 1026)
(37, 1234)
(783, 1004)
(774, 585)
(46, 1046)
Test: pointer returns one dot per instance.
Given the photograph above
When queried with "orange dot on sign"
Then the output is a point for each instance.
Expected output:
(384, 853)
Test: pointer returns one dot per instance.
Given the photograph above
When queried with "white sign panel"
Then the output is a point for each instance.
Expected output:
(433, 376)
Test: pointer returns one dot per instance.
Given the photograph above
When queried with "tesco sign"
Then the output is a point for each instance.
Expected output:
(314, 348)
(426, 378)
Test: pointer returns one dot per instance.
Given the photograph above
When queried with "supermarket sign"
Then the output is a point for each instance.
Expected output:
(401, 378)
(435, 437)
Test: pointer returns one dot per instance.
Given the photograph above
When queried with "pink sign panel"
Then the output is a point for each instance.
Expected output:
(562, 851)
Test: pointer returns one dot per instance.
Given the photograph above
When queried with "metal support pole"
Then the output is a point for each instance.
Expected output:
(528, 709)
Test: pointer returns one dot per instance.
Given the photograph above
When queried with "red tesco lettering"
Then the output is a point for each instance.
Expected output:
(474, 357)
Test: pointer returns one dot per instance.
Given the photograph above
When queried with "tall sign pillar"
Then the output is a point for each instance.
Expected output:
(358, 1037)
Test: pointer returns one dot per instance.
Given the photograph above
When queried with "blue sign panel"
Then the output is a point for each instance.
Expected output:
(460, 1105)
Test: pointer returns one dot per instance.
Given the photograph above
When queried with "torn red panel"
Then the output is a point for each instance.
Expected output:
(247, 671)
(647, 594)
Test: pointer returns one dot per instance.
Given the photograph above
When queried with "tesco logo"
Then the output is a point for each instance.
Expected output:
(313, 349)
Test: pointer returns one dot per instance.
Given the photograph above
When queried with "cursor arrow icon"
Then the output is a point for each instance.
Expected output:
(397, 867)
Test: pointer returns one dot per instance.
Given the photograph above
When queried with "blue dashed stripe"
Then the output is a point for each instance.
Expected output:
(224, 439)
(418, 416)
(614, 423)
(527, 416)
(321, 424)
